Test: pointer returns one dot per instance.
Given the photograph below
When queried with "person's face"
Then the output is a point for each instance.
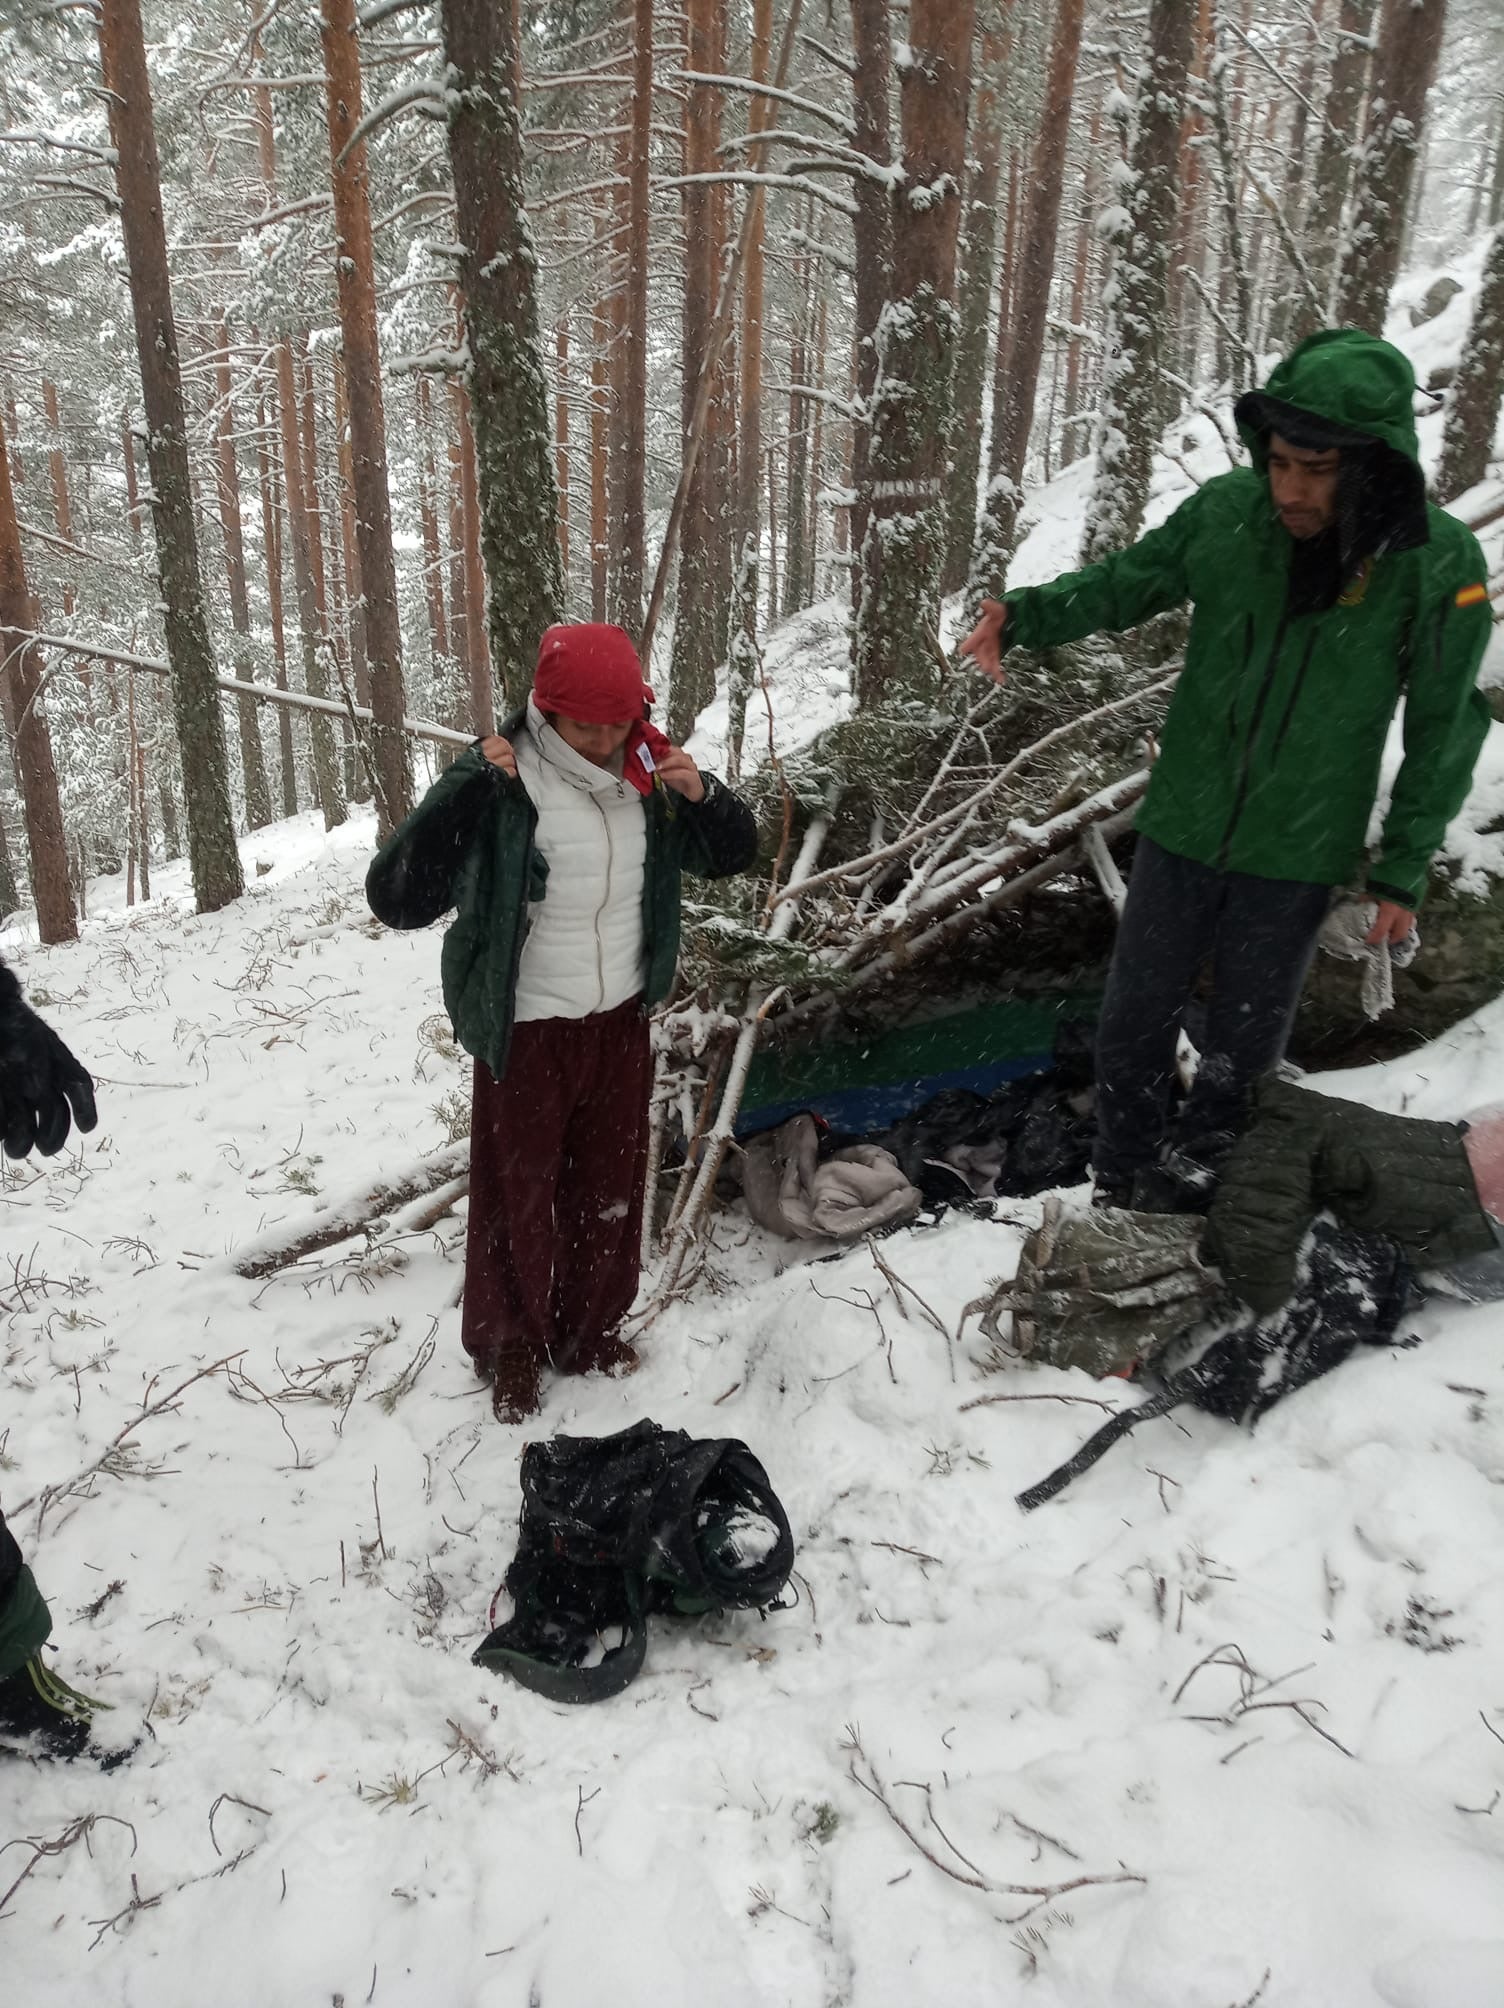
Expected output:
(1303, 485)
(599, 744)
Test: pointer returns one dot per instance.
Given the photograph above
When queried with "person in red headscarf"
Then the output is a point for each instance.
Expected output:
(560, 841)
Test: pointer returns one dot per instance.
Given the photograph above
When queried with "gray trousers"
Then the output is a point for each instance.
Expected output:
(1260, 935)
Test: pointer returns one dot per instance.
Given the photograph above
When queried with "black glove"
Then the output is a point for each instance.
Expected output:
(39, 1080)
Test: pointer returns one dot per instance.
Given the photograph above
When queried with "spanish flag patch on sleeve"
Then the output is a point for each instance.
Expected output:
(1471, 596)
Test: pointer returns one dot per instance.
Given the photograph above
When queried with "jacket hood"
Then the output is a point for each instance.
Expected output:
(1347, 389)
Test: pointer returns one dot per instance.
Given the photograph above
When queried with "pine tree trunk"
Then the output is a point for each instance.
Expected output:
(872, 42)
(1404, 64)
(1072, 445)
(1473, 401)
(1031, 290)
(692, 684)
(1290, 292)
(796, 456)
(354, 266)
(10, 892)
(816, 452)
(1132, 400)
(897, 646)
(428, 518)
(213, 858)
(300, 533)
(561, 445)
(1335, 154)
(258, 801)
(600, 398)
(57, 465)
(32, 742)
(1006, 288)
(518, 504)
(271, 541)
(741, 657)
(482, 681)
(349, 601)
(974, 303)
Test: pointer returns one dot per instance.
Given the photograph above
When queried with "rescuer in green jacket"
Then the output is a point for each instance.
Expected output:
(1323, 588)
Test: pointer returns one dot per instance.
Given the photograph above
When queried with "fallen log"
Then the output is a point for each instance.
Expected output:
(338, 1219)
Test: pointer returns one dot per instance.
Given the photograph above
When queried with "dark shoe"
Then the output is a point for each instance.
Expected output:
(606, 1355)
(516, 1390)
(42, 1716)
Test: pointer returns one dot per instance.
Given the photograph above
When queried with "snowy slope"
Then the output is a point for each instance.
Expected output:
(310, 1821)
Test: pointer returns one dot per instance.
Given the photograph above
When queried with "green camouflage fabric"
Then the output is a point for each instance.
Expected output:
(1103, 1290)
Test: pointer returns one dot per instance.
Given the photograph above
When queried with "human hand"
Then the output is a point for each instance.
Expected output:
(1393, 924)
(40, 1083)
(677, 771)
(499, 752)
(984, 643)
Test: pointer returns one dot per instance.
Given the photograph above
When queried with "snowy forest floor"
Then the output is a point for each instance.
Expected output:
(288, 1569)
(284, 1571)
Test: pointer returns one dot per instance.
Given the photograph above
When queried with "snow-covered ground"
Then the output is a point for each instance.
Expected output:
(1252, 1680)
(286, 1570)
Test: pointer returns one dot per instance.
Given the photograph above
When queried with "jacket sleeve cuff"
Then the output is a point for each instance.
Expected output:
(1400, 895)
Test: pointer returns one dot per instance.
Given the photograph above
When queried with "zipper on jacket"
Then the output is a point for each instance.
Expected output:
(600, 948)
(1253, 732)
(1300, 677)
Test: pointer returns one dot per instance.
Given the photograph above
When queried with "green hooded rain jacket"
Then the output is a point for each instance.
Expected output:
(1271, 751)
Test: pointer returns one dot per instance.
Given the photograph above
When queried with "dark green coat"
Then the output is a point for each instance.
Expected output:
(469, 845)
(1271, 751)
(1381, 1174)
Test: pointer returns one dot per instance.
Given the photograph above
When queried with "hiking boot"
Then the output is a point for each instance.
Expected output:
(42, 1716)
(606, 1355)
(516, 1390)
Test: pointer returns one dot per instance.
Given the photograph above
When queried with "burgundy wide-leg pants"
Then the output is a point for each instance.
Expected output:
(558, 1158)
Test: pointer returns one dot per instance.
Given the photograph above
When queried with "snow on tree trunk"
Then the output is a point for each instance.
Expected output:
(428, 520)
(1332, 175)
(350, 617)
(1005, 302)
(10, 896)
(509, 399)
(741, 653)
(214, 860)
(872, 43)
(1289, 291)
(57, 467)
(472, 574)
(897, 647)
(1404, 65)
(258, 800)
(326, 783)
(271, 544)
(974, 302)
(796, 443)
(355, 273)
(600, 538)
(701, 591)
(1142, 229)
(1031, 286)
(32, 741)
(1473, 401)
(629, 319)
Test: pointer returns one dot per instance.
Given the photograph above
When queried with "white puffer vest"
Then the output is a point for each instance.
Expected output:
(585, 949)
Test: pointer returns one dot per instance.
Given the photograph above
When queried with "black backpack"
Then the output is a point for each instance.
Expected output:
(614, 1528)
(1353, 1290)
